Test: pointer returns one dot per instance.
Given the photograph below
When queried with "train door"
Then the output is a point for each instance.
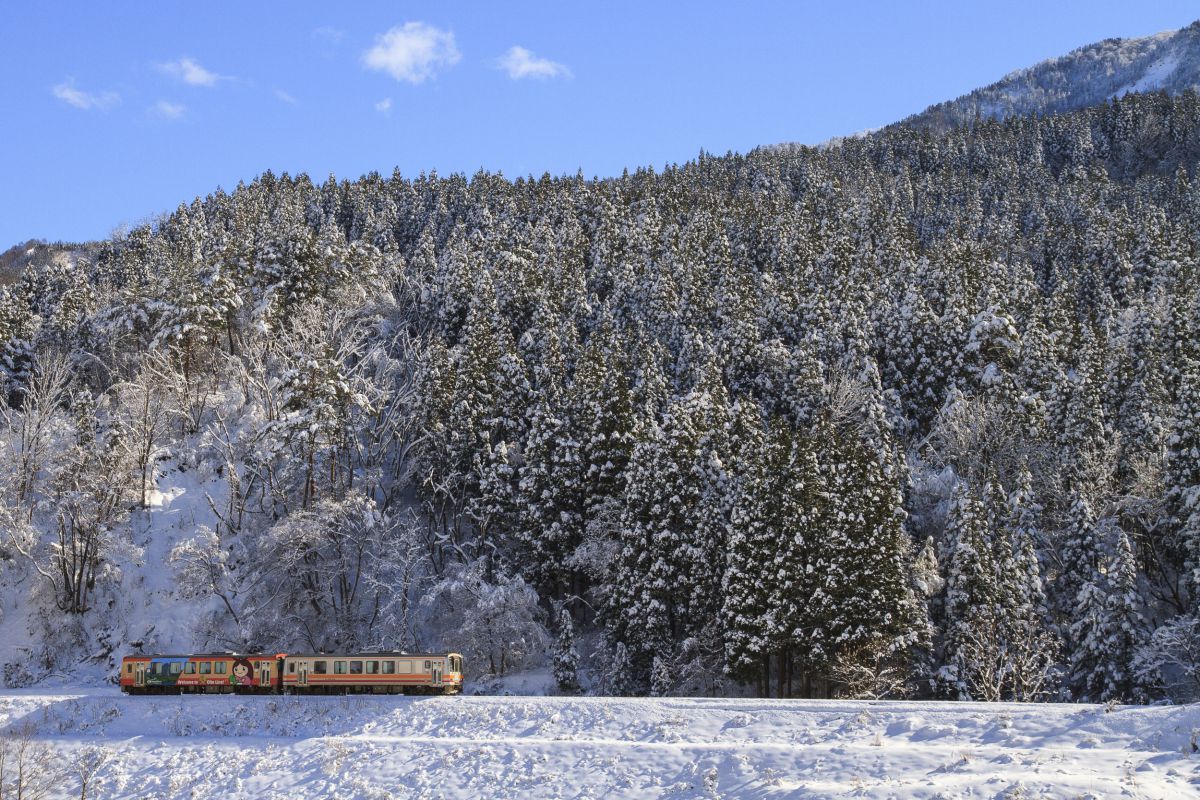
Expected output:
(302, 674)
(264, 674)
(436, 673)
(139, 673)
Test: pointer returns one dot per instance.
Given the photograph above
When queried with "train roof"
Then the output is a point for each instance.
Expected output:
(200, 655)
(373, 653)
(354, 653)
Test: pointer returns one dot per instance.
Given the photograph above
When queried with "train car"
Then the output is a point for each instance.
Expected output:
(388, 672)
(238, 673)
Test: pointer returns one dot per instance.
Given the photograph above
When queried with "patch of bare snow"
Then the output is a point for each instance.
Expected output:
(1155, 76)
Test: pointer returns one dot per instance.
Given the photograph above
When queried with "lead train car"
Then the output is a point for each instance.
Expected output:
(315, 673)
(373, 673)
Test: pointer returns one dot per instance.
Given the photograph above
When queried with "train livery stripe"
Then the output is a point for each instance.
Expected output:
(355, 679)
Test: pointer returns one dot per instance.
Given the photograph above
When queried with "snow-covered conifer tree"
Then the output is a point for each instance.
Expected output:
(566, 656)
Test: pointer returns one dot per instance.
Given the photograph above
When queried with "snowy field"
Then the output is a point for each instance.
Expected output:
(534, 747)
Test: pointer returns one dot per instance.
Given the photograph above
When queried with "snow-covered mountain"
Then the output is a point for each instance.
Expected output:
(1168, 61)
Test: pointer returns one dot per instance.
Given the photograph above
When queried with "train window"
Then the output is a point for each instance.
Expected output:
(372, 667)
(191, 668)
(128, 668)
(320, 667)
(220, 667)
(455, 664)
(339, 667)
(356, 668)
(428, 664)
(389, 667)
(205, 667)
(292, 667)
(176, 667)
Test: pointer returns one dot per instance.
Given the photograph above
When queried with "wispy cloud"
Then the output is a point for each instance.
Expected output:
(329, 34)
(521, 63)
(283, 96)
(169, 110)
(412, 52)
(189, 71)
(71, 95)
(384, 106)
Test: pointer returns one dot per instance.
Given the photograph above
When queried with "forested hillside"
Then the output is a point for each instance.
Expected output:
(1168, 61)
(914, 414)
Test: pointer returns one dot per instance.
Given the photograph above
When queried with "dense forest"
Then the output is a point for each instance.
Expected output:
(917, 414)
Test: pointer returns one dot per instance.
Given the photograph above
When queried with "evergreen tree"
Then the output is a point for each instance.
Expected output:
(660, 678)
(566, 657)
(971, 600)
(1183, 477)
(619, 678)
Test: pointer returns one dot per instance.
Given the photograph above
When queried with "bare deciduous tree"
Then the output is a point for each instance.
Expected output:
(982, 433)
(37, 419)
(29, 768)
(143, 420)
(1019, 668)
(1171, 660)
(87, 493)
(86, 766)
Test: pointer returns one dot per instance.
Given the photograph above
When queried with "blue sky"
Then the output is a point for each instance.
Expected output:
(113, 112)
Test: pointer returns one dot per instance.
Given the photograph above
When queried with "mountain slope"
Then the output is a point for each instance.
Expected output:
(14, 260)
(1168, 61)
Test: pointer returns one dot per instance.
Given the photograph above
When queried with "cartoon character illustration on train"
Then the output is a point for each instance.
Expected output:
(389, 672)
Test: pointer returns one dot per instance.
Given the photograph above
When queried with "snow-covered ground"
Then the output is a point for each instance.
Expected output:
(499, 747)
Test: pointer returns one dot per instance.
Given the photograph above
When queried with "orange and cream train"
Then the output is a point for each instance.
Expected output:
(293, 673)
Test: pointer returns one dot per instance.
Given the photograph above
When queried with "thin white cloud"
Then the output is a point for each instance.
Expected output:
(169, 110)
(412, 52)
(283, 96)
(521, 63)
(69, 94)
(190, 72)
(384, 106)
(329, 34)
